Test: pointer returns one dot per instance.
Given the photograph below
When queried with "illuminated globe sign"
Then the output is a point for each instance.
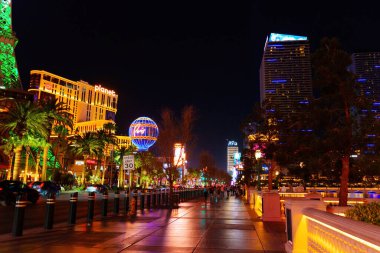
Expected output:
(143, 132)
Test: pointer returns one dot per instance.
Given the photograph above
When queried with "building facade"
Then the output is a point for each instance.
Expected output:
(285, 73)
(366, 66)
(91, 106)
(232, 150)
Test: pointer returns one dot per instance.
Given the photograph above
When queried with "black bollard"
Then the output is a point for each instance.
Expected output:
(135, 196)
(116, 203)
(90, 209)
(105, 204)
(18, 220)
(49, 215)
(126, 203)
(159, 198)
(142, 200)
(73, 208)
(154, 198)
(148, 200)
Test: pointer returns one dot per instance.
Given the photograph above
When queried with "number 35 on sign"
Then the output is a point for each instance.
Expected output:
(129, 162)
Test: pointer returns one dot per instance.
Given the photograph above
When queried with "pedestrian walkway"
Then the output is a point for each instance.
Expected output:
(225, 226)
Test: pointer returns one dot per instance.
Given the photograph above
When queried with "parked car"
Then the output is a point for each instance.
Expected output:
(97, 188)
(46, 187)
(9, 189)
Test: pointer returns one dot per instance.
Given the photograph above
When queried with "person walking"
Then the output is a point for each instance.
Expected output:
(205, 193)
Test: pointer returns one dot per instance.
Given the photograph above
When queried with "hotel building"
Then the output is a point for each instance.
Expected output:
(91, 106)
(366, 66)
(232, 150)
(285, 73)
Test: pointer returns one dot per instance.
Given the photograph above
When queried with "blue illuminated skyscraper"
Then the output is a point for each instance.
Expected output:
(285, 73)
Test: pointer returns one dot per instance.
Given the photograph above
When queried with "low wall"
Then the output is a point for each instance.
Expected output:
(313, 230)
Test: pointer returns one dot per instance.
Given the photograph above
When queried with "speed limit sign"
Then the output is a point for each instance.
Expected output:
(129, 162)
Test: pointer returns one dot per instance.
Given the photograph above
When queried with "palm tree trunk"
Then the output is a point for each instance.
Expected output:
(104, 169)
(16, 169)
(9, 173)
(36, 174)
(27, 153)
(44, 165)
(344, 181)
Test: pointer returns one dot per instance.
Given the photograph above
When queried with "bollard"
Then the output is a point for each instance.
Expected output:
(90, 209)
(167, 198)
(116, 203)
(49, 215)
(154, 199)
(105, 204)
(126, 203)
(148, 199)
(18, 220)
(135, 197)
(159, 198)
(142, 201)
(73, 208)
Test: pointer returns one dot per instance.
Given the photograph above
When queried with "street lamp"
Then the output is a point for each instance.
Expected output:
(258, 155)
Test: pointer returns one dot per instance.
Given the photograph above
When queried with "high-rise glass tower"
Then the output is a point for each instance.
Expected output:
(366, 66)
(285, 73)
(9, 76)
(232, 149)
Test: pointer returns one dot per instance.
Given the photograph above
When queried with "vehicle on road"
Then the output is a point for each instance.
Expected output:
(97, 188)
(46, 187)
(9, 189)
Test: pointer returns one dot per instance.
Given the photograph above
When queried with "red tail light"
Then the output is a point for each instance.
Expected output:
(1, 189)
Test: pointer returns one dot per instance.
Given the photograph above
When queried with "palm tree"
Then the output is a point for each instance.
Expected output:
(107, 138)
(57, 113)
(23, 119)
(86, 145)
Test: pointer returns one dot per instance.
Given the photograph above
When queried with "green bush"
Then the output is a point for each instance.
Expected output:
(369, 213)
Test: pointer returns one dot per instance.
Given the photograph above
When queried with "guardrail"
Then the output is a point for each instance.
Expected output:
(332, 233)
(309, 228)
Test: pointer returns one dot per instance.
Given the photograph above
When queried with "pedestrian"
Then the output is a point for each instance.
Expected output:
(205, 193)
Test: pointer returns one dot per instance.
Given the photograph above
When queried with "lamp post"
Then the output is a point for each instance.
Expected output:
(258, 155)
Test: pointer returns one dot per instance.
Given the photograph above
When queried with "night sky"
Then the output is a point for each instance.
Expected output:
(158, 54)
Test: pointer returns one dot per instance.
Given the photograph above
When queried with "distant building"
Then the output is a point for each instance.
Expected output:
(232, 149)
(91, 106)
(366, 66)
(285, 73)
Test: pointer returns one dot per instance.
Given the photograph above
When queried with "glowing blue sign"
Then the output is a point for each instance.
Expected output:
(285, 37)
(232, 143)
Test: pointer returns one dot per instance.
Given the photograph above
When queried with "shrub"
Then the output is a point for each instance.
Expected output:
(369, 213)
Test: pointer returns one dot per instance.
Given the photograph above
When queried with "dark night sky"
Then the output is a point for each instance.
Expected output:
(159, 54)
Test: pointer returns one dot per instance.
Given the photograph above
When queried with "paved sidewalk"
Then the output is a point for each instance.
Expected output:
(226, 226)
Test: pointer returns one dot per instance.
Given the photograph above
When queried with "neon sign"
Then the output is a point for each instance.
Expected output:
(104, 90)
(285, 37)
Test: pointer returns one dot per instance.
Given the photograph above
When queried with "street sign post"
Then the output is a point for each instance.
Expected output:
(129, 162)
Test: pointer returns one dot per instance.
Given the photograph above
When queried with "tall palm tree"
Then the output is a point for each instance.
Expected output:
(86, 145)
(108, 139)
(58, 114)
(23, 119)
